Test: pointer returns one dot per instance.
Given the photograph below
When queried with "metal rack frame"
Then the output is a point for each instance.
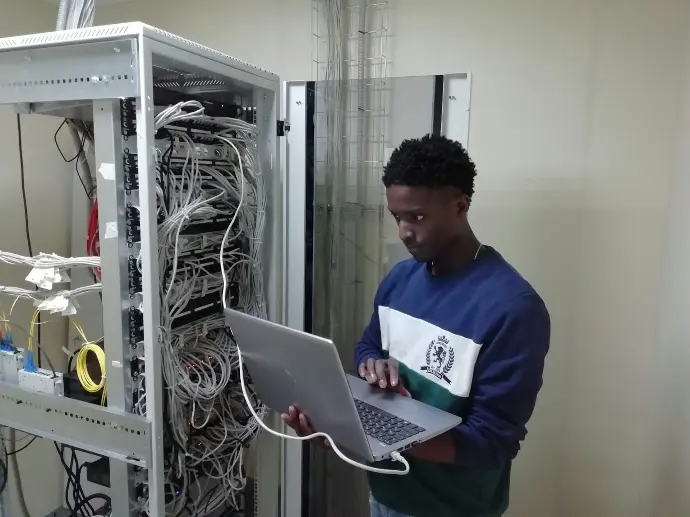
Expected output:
(86, 72)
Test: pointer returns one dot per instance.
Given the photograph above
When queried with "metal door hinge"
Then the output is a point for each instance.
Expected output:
(283, 127)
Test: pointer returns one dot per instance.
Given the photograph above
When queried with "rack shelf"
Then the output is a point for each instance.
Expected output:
(100, 430)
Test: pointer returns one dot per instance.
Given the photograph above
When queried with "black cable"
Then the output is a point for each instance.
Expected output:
(68, 483)
(208, 497)
(72, 479)
(80, 151)
(87, 501)
(21, 170)
(3, 476)
(57, 131)
(67, 471)
(76, 166)
(12, 453)
(26, 212)
(73, 471)
(22, 439)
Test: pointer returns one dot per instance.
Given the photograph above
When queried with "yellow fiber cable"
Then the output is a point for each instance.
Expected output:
(30, 343)
(6, 323)
(81, 361)
(83, 373)
(80, 330)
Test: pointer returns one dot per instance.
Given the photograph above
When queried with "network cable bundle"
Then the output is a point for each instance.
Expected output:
(211, 211)
(211, 215)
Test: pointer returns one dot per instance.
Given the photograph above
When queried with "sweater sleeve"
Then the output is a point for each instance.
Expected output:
(507, 378)
(369, 345)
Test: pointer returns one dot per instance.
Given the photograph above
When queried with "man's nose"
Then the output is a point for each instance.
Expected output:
(405, 232)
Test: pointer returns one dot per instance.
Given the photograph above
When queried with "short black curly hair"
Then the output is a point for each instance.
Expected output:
(431, 161)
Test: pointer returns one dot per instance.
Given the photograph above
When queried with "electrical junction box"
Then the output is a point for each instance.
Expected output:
(11, 361)
(42, 381)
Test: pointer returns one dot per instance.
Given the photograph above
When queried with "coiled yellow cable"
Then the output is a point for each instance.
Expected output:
(83, 373)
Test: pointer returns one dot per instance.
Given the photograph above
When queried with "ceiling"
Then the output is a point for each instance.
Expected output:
(98, 2)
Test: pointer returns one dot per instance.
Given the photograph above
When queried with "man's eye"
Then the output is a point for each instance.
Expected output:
(410, 218)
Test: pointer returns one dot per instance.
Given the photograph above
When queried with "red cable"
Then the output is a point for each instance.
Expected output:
(93, 248)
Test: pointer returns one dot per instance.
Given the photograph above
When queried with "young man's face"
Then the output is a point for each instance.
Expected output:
(428, 219)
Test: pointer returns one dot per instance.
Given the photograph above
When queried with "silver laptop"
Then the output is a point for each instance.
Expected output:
(293, 368)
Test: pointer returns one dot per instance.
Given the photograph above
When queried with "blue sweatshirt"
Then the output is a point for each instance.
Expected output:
(472, 343)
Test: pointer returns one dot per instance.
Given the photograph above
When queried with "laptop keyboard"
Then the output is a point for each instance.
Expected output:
(386, 428)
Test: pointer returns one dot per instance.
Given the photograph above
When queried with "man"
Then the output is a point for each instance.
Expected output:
(457, 328)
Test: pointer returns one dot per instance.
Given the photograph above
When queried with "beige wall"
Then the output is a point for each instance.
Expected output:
(574, 128)
(574, 121)
(575, 114)
(671, 465)
(272, 34)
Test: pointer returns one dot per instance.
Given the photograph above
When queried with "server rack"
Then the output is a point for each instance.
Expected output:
(108, 74)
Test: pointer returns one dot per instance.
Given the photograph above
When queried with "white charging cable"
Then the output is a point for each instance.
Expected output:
(396, 456)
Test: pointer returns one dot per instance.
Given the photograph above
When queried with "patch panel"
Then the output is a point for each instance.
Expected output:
(42, 381)
(128, 117)
(136, 327)
(212, 108)
(131, 171)
(202, 262)
(134, 276)
(216, 224)
(11, 361)
(133, 225)
(177, 150)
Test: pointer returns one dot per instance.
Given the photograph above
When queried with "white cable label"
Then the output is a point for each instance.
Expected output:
(107, 170)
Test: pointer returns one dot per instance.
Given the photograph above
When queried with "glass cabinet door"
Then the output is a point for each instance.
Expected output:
(355, 241)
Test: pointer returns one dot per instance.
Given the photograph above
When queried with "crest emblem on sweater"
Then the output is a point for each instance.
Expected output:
(440, 357)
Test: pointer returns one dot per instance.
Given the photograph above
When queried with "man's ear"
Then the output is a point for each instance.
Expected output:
(462, 204)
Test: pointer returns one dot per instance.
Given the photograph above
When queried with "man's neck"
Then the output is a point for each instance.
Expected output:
(458, 256)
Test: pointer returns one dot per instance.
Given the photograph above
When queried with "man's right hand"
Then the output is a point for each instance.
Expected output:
(299, 423)
(383, 373)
